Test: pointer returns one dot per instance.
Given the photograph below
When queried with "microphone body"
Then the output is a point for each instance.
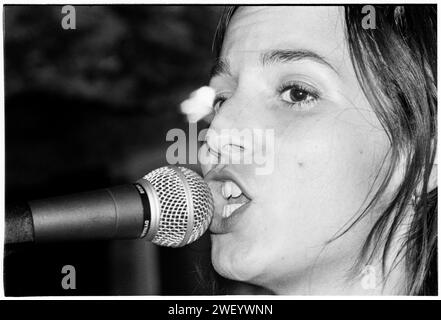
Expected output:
(159, 207)
(113, 213)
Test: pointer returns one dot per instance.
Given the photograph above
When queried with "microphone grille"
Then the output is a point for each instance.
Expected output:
(186, 205)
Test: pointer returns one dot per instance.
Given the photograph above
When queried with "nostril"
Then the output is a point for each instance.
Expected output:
(228, 144)
(213, 152)
(207, 159)
(233, 148)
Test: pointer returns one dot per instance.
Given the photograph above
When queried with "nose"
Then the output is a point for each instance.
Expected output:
(230, 134)
(229, 140)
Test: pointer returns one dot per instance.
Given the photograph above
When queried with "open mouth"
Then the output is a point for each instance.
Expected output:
(231, 197)
(235, 197)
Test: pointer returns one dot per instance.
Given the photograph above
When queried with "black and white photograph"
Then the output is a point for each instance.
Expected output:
(209, 150)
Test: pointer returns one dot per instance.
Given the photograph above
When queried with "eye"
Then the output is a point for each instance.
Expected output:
(298, 95)
(217, 103)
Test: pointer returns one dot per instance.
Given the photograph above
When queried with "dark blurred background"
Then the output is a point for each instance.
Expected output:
(90, 108)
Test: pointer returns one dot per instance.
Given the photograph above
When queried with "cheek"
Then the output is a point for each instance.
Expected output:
(326, 170)
(323, 173)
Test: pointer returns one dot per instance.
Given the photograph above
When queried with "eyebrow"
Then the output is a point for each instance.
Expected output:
(280, 56)
(222, 66)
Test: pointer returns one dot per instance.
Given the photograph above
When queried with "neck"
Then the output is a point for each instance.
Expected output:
(337, 276)
(335, 279)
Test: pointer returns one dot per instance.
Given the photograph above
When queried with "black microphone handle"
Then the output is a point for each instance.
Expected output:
(19, 227)
(121, 212)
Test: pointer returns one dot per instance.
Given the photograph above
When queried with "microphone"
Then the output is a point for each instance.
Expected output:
(170, 206)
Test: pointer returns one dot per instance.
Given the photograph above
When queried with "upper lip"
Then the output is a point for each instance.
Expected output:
(223, 175)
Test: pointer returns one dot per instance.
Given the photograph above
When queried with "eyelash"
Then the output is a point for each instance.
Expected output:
(312, 96)
(219, 98)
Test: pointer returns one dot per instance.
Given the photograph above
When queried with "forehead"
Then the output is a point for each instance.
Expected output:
(257, 29)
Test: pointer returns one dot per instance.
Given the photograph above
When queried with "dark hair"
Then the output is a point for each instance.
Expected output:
(395, 64)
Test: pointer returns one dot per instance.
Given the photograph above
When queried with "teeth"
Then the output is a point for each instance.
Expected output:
(235, 190)
(229, 209)
(226, 212)
(230, 189)
(226, 189)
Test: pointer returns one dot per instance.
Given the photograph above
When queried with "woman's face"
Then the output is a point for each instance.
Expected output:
(287, 69)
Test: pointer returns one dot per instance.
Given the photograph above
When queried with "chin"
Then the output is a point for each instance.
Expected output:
(236, 263)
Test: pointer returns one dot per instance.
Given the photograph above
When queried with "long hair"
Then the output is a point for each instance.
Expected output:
(395, 64)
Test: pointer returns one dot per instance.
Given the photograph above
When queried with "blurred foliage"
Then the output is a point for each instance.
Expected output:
(131, 56)
(88, 108)
(96, 102)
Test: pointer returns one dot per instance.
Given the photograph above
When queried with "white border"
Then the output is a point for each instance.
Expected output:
(157, 297)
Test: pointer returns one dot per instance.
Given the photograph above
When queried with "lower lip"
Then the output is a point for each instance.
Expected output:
(227, 224)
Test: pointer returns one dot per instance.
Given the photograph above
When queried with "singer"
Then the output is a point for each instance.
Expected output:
(350, 205)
